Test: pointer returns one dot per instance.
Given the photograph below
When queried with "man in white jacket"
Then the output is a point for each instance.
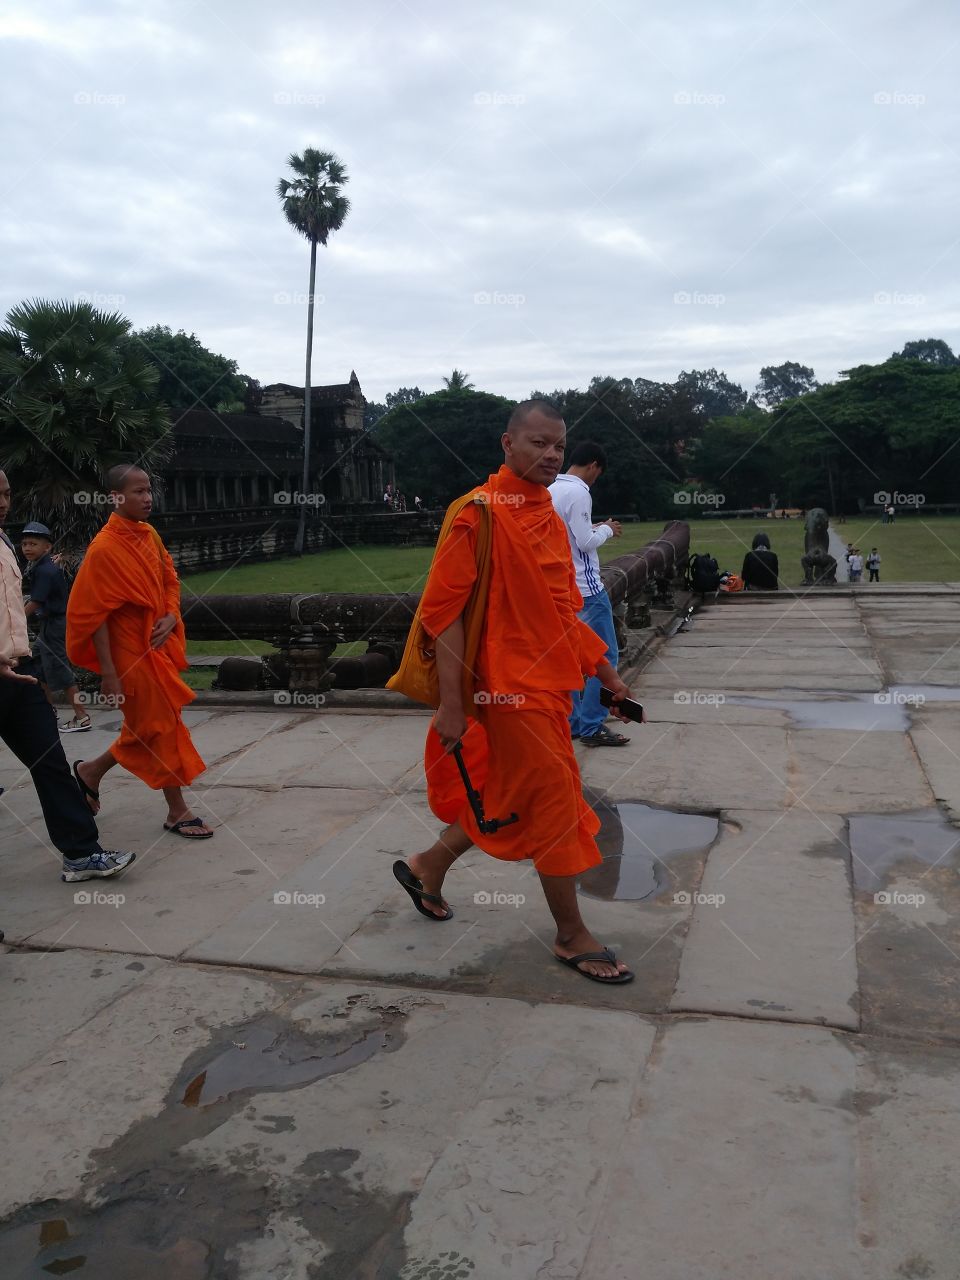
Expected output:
(572, 502)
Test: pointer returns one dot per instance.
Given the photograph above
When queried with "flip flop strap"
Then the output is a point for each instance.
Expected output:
(606, 954)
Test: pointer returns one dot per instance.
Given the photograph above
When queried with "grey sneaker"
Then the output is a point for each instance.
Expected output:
(99, 866)
(76, 725)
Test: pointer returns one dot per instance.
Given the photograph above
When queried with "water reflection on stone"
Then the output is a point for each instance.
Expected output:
(636, 841)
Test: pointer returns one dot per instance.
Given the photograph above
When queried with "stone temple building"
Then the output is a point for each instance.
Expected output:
(231, 489)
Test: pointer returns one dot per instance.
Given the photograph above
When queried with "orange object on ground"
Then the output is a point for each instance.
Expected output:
(127, 580)
(533, 650)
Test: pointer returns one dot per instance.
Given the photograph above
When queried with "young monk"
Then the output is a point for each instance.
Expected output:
(123, 620)
(533, 650)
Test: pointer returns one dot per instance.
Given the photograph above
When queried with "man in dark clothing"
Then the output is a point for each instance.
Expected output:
(47, 605)
(761, 568)
(28, 727)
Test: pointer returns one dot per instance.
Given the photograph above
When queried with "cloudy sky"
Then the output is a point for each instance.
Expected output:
(541, 191)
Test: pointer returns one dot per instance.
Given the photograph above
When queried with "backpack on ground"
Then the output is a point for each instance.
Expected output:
(703, 572)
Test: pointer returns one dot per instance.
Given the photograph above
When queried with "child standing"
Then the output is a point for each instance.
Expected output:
(873, 565)
(48, 604)
(855, 561)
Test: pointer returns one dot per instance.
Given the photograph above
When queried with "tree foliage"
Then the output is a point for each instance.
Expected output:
(779, 382)
(929, 350)
(189, 375)
(445, 443)
(76, 397)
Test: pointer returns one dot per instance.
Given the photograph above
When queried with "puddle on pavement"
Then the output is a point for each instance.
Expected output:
(35, 1251)
(857, 711)
(635, 841)
(267, 1060)
(153, 1210)
(879, 842)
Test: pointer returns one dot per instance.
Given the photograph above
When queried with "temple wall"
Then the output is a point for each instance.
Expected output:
(203, 540)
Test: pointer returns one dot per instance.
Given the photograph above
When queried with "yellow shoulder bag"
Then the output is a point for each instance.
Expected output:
(417, 676)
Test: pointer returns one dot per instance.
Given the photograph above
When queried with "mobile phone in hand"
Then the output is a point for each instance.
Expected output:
(632, 710)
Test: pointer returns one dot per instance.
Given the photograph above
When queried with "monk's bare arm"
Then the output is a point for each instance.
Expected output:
(450, 721)
(110, 685)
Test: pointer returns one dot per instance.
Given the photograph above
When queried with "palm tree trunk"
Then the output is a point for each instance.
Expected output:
(307, 405)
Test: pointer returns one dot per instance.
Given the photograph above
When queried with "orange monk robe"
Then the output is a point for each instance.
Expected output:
(128, 581)
(533, 650)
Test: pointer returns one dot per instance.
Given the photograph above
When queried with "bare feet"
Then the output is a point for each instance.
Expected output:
(576, 944)
(432, 881)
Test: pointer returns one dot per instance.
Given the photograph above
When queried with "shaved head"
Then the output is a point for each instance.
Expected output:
(118, 477)
(526, 408)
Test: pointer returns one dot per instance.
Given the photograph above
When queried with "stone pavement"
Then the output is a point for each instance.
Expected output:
(261, 1063)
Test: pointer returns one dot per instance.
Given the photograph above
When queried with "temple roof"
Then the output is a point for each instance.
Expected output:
(242, 426)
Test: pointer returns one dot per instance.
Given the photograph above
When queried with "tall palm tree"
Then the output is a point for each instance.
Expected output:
(76, 397)
(315, 205)
(458, 381)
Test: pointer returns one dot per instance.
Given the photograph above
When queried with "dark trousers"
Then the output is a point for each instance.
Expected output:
(874, 575)
(28, 726)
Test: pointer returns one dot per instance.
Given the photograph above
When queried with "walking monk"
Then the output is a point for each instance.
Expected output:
(123, 620)
(533, 651)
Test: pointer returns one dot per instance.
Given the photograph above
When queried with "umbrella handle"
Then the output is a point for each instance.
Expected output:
(486, 825)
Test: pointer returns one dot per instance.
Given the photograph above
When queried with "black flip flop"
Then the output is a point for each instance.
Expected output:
(416, 891)
(574, 962)
(88, 792)
(605, 738)
(178, 829)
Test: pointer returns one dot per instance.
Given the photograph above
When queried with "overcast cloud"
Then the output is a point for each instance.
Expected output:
(541, 192)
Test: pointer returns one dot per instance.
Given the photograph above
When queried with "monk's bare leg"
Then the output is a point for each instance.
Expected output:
(178, 809)
(92, 772)
(431, 866)
(573, 936)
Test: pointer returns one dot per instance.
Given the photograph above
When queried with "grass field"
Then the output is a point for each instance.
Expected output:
(914, 549)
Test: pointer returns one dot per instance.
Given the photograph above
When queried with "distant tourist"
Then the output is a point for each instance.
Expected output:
(855, 564)
(47, 605)
(891, 514)
(531, 650)
(873, 565)
(28, 727)
(388, 498)
(761, 567)
(401, 502)
(123, 620)
(573, 504)
(417, 503)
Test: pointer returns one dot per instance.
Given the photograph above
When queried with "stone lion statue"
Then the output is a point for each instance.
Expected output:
(819, 566)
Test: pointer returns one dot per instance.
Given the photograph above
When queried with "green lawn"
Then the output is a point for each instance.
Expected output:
(914, 549)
